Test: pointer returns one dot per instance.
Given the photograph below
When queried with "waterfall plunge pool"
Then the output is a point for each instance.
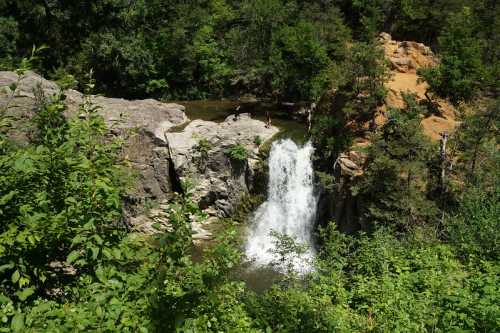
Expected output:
(289, 211)
(291, 205)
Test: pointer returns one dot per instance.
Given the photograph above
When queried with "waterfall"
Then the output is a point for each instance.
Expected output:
(290, 208)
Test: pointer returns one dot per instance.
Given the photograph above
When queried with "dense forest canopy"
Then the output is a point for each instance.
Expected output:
(425, 257)
(215, 48)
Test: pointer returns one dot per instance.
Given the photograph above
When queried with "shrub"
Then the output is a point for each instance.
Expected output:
(203, 146)
(238, 153)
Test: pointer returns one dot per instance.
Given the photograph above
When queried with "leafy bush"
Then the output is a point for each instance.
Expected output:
(472, 229)
(461, 71)
(68, 263)
(238, 153)
(203, 147)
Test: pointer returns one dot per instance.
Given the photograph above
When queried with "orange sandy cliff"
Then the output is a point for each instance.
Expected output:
(405, 58)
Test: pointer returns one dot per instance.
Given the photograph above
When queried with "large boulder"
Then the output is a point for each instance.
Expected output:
(406, 56)
(160, 156)
(141, 122)
(200, 155)
(148, 114)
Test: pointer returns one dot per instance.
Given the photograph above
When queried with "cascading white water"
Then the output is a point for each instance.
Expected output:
(291, 205)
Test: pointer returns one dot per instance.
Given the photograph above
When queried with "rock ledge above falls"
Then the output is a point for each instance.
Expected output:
(218, 181)
(156, 154)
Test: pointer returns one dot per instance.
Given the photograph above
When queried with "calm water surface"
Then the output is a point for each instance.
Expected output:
(219, 110)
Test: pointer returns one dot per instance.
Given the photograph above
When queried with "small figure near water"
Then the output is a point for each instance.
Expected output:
(310, 110)
(268, 121)
(237, 113)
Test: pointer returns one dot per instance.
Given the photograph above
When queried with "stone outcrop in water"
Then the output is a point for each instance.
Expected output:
(200, 154)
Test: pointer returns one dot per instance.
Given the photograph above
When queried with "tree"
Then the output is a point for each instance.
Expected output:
(461, 72)
(356, 92)
(390, 190)
(477, 137)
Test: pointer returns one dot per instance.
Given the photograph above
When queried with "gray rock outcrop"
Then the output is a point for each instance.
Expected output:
(141, 122)
(200, 154)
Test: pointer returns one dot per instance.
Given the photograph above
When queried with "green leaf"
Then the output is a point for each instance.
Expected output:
(6, 198)
(95, 252)
(77, 240)
(72, 256)
(23, 295)
(107, 253)
(6, 267)
(23, 281)
(100, 274)
(117, 253)
(15, 276)
(4, 299)
(24, 164)
(17, 324)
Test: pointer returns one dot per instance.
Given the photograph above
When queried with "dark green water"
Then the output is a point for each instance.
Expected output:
(219, 110)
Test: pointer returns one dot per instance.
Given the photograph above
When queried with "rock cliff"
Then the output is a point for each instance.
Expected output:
(405, 58)
(200, 154)
(161, 145)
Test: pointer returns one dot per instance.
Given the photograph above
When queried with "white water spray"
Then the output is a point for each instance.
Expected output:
(291, 205)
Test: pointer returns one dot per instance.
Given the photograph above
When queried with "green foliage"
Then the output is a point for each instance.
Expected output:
(461, 73)
(203, 148)
(391, 187)
(326, 180)
(476, 139)
(257, 140)
(357, 91)
(68, 216)
(63, 79)
(472, 228)
(197, 295)
(213, 48)
(238, 153)
(381, 283)
(195, 50)
(8, 37)
(287, 253)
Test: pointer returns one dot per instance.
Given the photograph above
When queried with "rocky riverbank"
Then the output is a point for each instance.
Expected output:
(199, 154)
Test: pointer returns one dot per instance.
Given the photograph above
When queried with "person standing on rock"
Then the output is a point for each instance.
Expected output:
(237, 113)
(268, 119)
(309, 117)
